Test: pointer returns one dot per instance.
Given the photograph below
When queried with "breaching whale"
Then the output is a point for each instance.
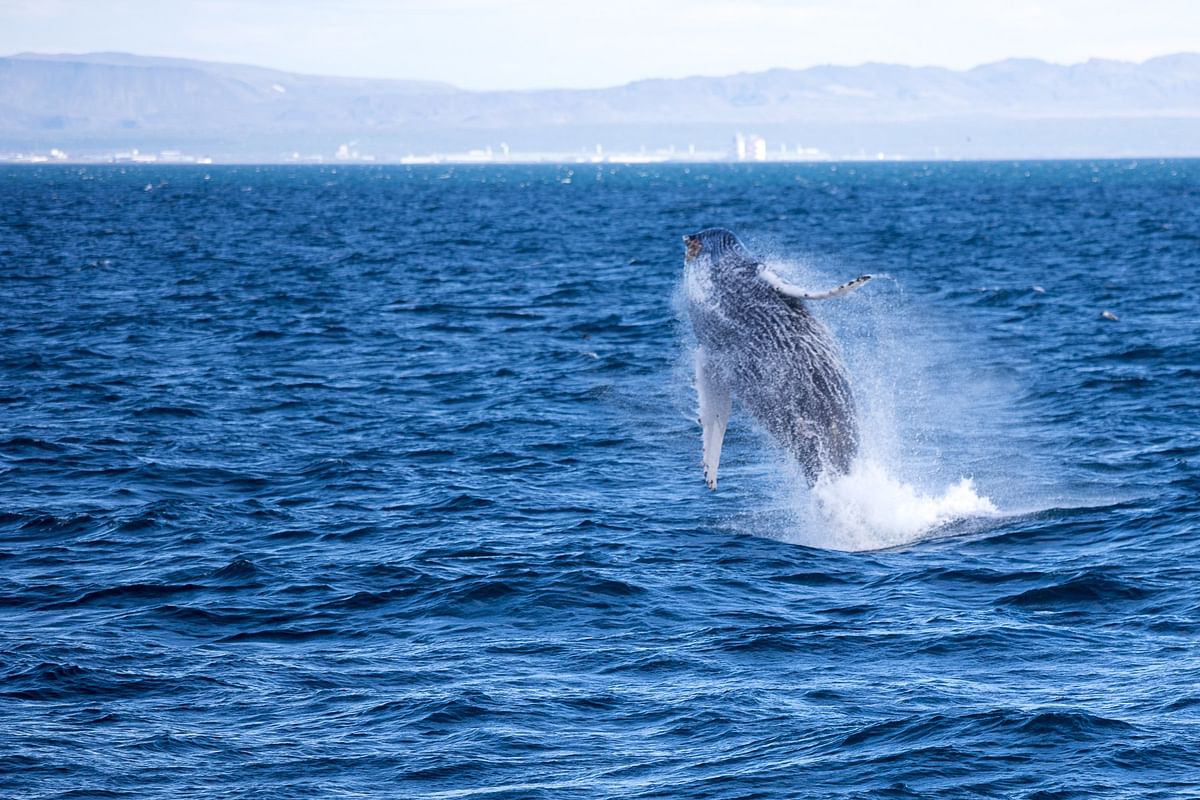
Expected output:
(757, 341)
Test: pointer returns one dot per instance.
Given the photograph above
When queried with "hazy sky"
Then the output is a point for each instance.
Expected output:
(518, 44)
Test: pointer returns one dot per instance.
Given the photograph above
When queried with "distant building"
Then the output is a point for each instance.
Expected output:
(347, 152)
(749, 148)
(758, 148)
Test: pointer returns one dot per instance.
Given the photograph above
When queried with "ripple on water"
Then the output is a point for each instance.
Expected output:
(383, 481)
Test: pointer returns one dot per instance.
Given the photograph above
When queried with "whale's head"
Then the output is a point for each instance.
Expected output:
(715, 264)
(715, 245)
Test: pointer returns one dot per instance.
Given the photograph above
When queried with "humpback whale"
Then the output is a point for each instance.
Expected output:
(757, 341)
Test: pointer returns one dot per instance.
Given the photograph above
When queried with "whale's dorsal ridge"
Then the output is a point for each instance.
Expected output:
(786, 289)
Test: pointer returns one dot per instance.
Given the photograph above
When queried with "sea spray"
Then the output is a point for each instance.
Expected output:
(887, 499)
(869, 509)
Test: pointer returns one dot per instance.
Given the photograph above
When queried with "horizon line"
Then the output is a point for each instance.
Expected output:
(428, 163)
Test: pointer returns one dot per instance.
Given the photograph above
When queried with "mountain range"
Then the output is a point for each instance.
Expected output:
(1017, 107)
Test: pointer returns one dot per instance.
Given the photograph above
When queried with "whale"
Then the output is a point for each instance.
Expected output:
(758, 342)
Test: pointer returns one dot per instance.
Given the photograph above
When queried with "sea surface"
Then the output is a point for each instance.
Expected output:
(365, 482)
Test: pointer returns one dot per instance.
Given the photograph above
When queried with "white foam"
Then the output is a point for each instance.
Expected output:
(868, 509)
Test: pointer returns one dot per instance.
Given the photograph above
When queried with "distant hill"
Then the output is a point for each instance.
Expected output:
(107, 91)
(103, 98)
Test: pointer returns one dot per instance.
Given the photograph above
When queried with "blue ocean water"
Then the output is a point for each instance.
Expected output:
(385, 482)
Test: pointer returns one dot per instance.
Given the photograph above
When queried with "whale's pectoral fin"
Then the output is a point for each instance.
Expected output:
(788, 290)
(715, 403)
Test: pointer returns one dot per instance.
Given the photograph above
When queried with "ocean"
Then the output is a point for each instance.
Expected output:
(384, 481)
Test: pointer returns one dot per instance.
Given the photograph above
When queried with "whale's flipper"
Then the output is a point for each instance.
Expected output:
(715, 402)
(783, 287)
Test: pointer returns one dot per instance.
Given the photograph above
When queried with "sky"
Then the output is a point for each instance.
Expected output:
(528, 44)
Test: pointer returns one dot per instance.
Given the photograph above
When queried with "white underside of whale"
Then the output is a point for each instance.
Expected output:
(715, 404)
(783, 287)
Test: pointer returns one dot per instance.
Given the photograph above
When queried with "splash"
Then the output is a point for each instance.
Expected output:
(915, 436)
(869, 509)
(909, 426)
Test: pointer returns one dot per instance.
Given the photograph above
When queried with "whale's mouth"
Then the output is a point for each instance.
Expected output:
(692, 243)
